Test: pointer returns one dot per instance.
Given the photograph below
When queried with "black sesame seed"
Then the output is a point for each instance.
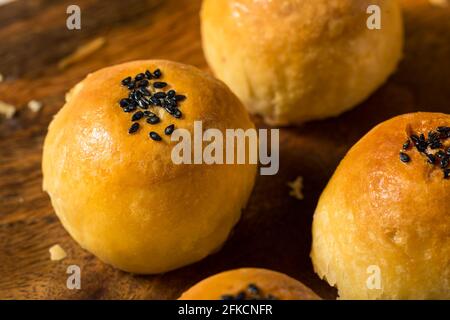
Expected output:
(407, 144)
(440, 154)
(143, 83)
(253, 289)
(170, 102)
(124, 102)
(435, 145)
(169, 109)
(444, 162)
(169, 130)
(137, 116)
(157, 74)
(431, 158)
(148, 75)
(422, 146)
(240, 296)
(446, 173)
(251, 293)
(130, 108)
(135, 95)
(434, 140)
(443, 129)
(141, 97)
(180, 97)
(134, 128)
(126, 81)
(144, 104)
(155, 101)
(144, 91)
(160, 95)
(177, 114)
(139, 77)
(153, 120)
(404, 157)
(159, 85)
(154, 136)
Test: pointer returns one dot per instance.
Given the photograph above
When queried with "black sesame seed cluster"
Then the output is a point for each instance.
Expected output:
(431, 147)
(252, 292)
(146, 92)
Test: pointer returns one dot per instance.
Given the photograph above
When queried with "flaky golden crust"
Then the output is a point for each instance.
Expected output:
(232, 282)
(120, 196)
(297, 60)
(379, 211)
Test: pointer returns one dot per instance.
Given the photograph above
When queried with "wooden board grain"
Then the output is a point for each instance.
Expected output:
(275, 229)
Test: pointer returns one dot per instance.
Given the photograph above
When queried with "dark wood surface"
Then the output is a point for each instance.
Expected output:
(274, 232)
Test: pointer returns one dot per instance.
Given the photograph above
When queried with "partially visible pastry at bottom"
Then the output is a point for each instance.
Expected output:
(249, 284)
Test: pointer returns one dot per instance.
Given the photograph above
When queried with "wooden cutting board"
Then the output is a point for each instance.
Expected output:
(274, 231)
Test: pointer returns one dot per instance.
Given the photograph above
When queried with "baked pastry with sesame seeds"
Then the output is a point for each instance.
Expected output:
(249, 284)
(108, 167)
(381, 229)
(291, 61)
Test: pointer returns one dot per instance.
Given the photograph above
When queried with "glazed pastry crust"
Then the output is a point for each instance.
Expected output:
(297, 60)
(232, 282)
(120, 196)
(377, 210)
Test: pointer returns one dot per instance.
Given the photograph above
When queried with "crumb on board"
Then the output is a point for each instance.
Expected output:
(57, 253)
(7, 110)
(82, 52)
(439, 3)
(34, 105)
(1, 77)
(296, 188)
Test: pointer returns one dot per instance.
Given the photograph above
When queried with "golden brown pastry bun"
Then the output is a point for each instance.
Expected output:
(247, 284)
(298, 60)
(381, 229)
(119, 195)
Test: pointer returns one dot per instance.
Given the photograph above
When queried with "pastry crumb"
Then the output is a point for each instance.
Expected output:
(34, 105)
(82, 52)
(439, 3)
(7, 110)
(296, 188)
(57, 253)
